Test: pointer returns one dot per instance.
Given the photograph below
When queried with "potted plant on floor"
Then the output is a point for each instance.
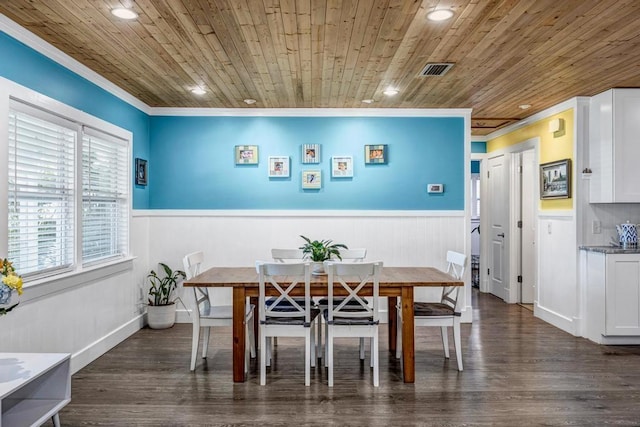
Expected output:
(319, 251)
(161, 309)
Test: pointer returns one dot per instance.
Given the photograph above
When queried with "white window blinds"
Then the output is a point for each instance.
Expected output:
(105, 198)
(40, 190)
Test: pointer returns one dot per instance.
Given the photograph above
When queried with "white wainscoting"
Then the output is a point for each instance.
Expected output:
(91, 317)
(558, 291)
(240, 238)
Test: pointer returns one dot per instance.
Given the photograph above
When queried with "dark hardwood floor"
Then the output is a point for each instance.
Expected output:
(518, 371)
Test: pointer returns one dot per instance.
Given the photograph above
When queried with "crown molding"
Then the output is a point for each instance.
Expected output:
(558, 108)
(312, 112)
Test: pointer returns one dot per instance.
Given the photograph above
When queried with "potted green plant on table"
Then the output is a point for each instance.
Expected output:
(161, 309)
(319, 251)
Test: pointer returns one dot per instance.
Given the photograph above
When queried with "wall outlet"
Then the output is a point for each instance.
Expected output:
(596, 227)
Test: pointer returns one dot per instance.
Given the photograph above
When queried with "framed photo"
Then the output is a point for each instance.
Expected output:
(342, 167)
(310, 153)
(279, 166)
(141, 172)
(555, 180)
(246, 154)
(311, 179)
(375, 154)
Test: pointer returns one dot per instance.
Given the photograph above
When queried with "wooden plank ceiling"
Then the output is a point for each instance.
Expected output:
(336, 53)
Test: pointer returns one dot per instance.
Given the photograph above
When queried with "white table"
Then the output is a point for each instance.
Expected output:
(33, 388)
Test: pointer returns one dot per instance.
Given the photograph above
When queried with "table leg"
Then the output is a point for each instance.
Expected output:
(393, 323)
(239, 301)
(408, 349)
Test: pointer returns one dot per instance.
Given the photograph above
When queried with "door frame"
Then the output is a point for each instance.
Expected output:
(514, 193)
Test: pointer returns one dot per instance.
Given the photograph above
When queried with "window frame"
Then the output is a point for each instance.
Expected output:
(61, 279)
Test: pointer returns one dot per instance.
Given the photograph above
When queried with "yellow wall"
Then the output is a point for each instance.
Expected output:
(553, 147)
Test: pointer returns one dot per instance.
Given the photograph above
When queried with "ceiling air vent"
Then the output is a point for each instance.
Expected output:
(436, 68)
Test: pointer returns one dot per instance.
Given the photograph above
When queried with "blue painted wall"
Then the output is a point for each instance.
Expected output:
(478, 147)
(191, 165)
(191, 159)
(29, 68)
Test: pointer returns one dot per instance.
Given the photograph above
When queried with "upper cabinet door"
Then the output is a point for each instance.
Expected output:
(614, 146)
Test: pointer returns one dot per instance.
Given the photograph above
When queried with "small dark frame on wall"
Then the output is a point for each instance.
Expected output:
(141, 172)
(555, 180)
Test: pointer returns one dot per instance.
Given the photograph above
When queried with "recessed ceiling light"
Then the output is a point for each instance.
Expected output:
(390, 92)
(439, 15)
(524, 106)
(198, 91)
(124, 13)
(367, 101)
(249, 101)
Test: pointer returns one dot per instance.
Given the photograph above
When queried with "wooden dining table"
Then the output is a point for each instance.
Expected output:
(394, 282)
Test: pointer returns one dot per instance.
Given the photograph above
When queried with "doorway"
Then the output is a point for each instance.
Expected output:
(510, 208)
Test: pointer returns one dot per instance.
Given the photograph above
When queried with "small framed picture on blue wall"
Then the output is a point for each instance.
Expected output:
(310, 153)
(311, 179)
(342, 167)
(141, 172)
(375, 154)
(246, 154)
(278, 166)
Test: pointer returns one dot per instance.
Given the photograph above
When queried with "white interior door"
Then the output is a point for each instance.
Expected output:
(528, 202)
(497, 186)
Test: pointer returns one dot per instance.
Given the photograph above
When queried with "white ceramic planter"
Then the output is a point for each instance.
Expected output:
(161, 316)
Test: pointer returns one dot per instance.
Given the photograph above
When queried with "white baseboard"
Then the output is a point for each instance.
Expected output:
(96, 349)
(566, 324)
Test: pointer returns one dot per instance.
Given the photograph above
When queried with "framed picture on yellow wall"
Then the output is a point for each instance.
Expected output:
(555, 180)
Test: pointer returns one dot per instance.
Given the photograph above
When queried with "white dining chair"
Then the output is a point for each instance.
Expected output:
(444, 314)
(352, 316)
(285, 316)
(204, 314)
(347, 255)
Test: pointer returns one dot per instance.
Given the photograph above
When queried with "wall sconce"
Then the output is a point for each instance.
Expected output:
(556, 125)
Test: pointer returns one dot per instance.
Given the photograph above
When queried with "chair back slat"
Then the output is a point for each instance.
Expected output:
(455, 267)
(353, 305)
(284, 278)
(287, 255)
(353, 255)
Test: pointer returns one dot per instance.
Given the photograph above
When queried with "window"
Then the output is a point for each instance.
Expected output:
(105, 208)
(68, 193)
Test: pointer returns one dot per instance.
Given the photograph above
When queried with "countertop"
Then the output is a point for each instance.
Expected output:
(611, 249)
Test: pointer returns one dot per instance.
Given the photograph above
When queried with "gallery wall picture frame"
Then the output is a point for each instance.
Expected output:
(311, 179)
(375, 154)
(555, 180)
(246, 154)
(141, 172)
(342, 167)
(310, 153)
(279, 166)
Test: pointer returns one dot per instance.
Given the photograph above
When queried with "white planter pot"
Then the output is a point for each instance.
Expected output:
(161, 316)
(317, 268)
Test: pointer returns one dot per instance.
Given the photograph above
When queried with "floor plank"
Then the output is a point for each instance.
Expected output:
(519, 370)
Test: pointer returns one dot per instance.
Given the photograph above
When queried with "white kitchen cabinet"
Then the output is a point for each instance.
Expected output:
(613, 297)
(614, 146)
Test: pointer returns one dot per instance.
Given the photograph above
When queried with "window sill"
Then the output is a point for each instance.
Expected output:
(61, 282)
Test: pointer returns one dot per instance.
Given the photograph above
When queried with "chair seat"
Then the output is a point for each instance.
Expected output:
(274, 320)
(338, 301)
(285, 302)
(221, 311)
(433, 309)
(349, 320)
